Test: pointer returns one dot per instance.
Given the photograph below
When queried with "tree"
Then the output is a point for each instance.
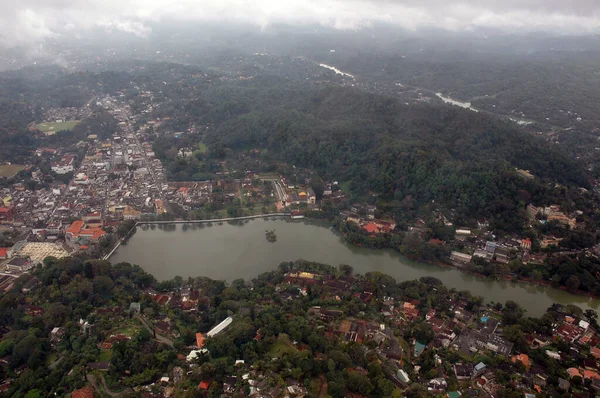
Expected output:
(573, 283)
(511, 313)
(346, 270)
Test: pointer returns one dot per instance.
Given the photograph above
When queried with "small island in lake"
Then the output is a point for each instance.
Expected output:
(270, 235)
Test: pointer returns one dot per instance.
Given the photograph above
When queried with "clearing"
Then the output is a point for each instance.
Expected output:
(49, 126)
(9, 170)
(202, 148)
(282, 346)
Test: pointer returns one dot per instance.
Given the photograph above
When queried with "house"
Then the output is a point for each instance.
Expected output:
(463, 371)
(479, 369)
(129, 213)
(33, 310)
(532, 211)
(4, 253)
(85, 392)
(371, 228)
(297, 215)
(6, 213)
(329, 315)
(460, 257)
(204, 385)
(57, 334)
(526, 244)
(200, 340)
(19, 264)
(64, 166)
(135, 308)
(524, 359)
(564, 384)
(100, 366)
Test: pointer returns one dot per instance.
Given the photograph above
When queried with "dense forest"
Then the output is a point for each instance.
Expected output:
(421, 152)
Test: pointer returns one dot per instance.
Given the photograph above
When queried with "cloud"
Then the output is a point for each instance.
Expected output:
(31, 21)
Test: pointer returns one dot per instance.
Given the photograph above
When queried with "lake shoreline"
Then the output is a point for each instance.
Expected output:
(329, 225)
(240, 250)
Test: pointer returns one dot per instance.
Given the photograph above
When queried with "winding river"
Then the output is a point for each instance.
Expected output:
(240, 250)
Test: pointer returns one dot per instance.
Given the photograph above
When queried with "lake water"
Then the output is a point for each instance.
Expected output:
(241, 251)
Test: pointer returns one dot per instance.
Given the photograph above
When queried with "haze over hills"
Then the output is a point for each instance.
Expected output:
(407, 137)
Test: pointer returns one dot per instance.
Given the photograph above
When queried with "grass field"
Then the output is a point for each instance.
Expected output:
(9, 170)
(345, 186)
(46, 127)
(202, 148)
(282, 346)
(105, 355)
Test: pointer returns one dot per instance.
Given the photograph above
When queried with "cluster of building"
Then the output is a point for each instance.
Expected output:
(365, 217)
(59, 115)
(467, 332)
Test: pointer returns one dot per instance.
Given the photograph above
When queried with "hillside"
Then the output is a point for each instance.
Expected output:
(460, 159)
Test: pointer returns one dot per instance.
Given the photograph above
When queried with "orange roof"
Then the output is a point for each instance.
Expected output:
(204, 385)
(524, 358)
(4, 251)
(200, 340)
(85, 392)
(75, 227)
(94, 233)
(84, 247)
(595, 351)
(590, 374)
(573, 372)
(371, 228)
(302, 194)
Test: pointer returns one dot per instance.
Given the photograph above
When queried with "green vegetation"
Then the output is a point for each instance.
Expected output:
(282, 346)
(9, 170)
(270, 235)
(285, 331)
(202, 148)
(410, 155)
(56, 127)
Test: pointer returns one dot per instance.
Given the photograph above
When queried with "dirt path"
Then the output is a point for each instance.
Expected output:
(94, 382)
(324, 386)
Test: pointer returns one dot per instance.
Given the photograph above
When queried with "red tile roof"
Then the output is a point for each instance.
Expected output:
(76, 227)
(371, 228)
(85, 392)
(200, 340)
(4, 252)
(204, 385)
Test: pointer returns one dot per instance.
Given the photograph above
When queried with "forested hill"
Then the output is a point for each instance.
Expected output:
(429, 152)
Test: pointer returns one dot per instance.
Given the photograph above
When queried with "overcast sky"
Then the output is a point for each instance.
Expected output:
(27, 22)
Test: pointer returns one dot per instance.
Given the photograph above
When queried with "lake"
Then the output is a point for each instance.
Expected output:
(241, 251)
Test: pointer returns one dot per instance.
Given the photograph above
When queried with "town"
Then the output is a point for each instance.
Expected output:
(367, 332)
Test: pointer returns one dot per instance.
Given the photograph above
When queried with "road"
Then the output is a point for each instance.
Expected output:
(159, 338)
(104, 388)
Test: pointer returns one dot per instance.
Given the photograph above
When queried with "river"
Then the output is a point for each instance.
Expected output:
(336, 70)
(241, 251)
(452, 101)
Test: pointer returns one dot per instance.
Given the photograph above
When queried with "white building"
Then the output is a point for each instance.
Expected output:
(220, 327)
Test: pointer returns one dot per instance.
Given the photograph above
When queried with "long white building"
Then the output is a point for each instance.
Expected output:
(220, 327)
